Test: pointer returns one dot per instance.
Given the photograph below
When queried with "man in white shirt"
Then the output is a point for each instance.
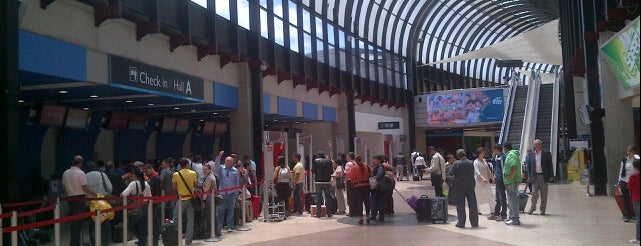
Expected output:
(436, 170)
(74, 183)
(540, 172)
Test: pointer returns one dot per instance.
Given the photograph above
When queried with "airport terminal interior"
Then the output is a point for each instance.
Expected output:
(128, 87)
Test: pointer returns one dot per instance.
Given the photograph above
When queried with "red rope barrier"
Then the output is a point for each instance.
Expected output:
(37, 211)
(46, 223)
(28, 203)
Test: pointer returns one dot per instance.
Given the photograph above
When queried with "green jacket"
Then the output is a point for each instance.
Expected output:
(512, 158)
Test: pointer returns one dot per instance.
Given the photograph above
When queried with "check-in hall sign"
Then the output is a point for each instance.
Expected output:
(138, 76)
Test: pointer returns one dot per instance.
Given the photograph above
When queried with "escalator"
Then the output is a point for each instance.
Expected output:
(517, 116)
(544, 114)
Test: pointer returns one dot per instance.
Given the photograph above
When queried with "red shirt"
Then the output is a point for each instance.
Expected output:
(634, 187)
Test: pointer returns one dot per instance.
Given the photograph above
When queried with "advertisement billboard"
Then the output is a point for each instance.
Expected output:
(622, 53)
(465, 107)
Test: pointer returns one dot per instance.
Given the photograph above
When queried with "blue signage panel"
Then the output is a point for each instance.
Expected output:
(126, 73)
(460, 108)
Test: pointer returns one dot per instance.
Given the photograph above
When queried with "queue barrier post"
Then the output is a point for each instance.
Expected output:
(242, 209)
(124, 221)
(56, 226)
(14, 223)
(97, 230)
(162, 207)
(1, 239)
(178, 222)
(150, 226)
(212, 218)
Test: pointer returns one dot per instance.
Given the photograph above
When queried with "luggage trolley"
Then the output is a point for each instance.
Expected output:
(275, 210)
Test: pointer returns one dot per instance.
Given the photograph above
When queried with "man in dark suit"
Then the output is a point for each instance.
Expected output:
(463, 171)
(540, 172)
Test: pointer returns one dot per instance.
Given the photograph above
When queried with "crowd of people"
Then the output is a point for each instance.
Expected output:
(346, 185)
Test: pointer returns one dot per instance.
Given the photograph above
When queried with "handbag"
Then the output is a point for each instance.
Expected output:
(218, 199)
(112, 202)
(101, 205)
(373, 183)
(196, 202)
(137, 210)
(340, 182)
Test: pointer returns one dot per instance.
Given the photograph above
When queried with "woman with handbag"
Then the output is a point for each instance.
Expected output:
(359, 175)
(283, 178)
(138, 216)
(338, 182)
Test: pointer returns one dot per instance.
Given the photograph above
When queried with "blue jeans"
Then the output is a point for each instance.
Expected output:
(228, 207)
(500, 209)
(298, 198)
(326, 189)
(187, 211)
(379, 205)
(513, 200)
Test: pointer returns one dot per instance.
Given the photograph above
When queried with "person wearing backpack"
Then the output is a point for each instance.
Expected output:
(138, 216)
(283, 179)
(338, 182)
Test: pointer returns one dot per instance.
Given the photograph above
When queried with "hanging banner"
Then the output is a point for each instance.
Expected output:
(465, 107)
(622, 53)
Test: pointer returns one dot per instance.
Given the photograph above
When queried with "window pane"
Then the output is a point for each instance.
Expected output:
(332, 56)
(308, 45)
(306, 21)
(201, 2)
(293, 16)
(293, 38)
(319, 28)
(222, 9)
(243, 10)
(263, 3)
(278, 7)
(319, 51)
(330, 34)
(343, 62)
(341, 39)
(278, 31)
(263, 24)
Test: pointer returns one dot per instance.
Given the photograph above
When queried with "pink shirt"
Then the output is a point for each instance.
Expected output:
(72, 181)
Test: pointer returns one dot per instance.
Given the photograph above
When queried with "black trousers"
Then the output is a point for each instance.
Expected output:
(501, 200)
(625, 194)
(468, 194)
(437, 182)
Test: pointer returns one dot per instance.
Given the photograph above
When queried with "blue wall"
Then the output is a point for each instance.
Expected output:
(310, 111)
(329, 114)
(43, 55)
(225, 95)
(286, 107)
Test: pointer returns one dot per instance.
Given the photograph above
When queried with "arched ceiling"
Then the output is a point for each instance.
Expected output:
(426, 31)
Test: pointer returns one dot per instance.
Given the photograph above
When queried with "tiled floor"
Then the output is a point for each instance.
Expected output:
(572, 219)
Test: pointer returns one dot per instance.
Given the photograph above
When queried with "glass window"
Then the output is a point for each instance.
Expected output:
(293, 15)
(332, 56)
(306, 21)
(293, 38)
(263, 3)
(201, 2)
(319, 27)
(278, 8)
(263, 24)
(279, 31)
(343, 62)
(243, 10)
(222, 9)
(341, 39)
(320, 50)
(330, 34)
(308, 44)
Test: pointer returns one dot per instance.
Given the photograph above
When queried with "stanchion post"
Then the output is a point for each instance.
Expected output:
(124, 221)
(242, 210)
(212, 218)
(162, 208)
(179, 222)
(150, 226)
(14, 234)
(1, 239)
(96, 223)
(56, 226)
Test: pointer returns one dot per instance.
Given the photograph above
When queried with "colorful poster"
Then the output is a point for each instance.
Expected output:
(622, 53)
(469, 107)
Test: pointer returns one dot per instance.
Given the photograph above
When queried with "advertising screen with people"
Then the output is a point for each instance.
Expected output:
(465, 107)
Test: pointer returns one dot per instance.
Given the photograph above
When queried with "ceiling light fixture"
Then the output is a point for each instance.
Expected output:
(94, 96)
(20, 101)
(176, 108)
(129, 101)
(85, 109)
(62, 92)
(215, 113)
(150, 104)
(193, 110)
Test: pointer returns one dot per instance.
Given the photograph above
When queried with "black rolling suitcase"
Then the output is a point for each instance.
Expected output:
(438, 209)
(423, 209)
(169, 234)
(200, 226)
(310, 199)
(523, 197)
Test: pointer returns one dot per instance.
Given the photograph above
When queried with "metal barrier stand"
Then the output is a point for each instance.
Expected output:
(150, 225)
(56, 226)
(97, 224)
(242, 209)
(212, 218)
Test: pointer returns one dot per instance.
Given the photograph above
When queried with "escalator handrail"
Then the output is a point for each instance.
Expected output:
(507, 119)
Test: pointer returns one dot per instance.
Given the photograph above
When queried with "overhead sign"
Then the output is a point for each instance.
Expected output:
(389, 125)
(126, 73)
(465, 107)
(622, 53)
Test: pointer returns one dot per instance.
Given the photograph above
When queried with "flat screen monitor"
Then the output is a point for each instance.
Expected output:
(77, 118)
(221, 128)
(208, 128)
(52, 115)
(118, 120)
(182, 125)
(137, 122)
(168, 124)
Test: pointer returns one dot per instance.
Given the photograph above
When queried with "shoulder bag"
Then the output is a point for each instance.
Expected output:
(137, 210)
(196, 202)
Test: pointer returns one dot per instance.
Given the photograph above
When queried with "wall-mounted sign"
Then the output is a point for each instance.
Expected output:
(622, 53)
(464, 107)
(138, 76)
(389, 125)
